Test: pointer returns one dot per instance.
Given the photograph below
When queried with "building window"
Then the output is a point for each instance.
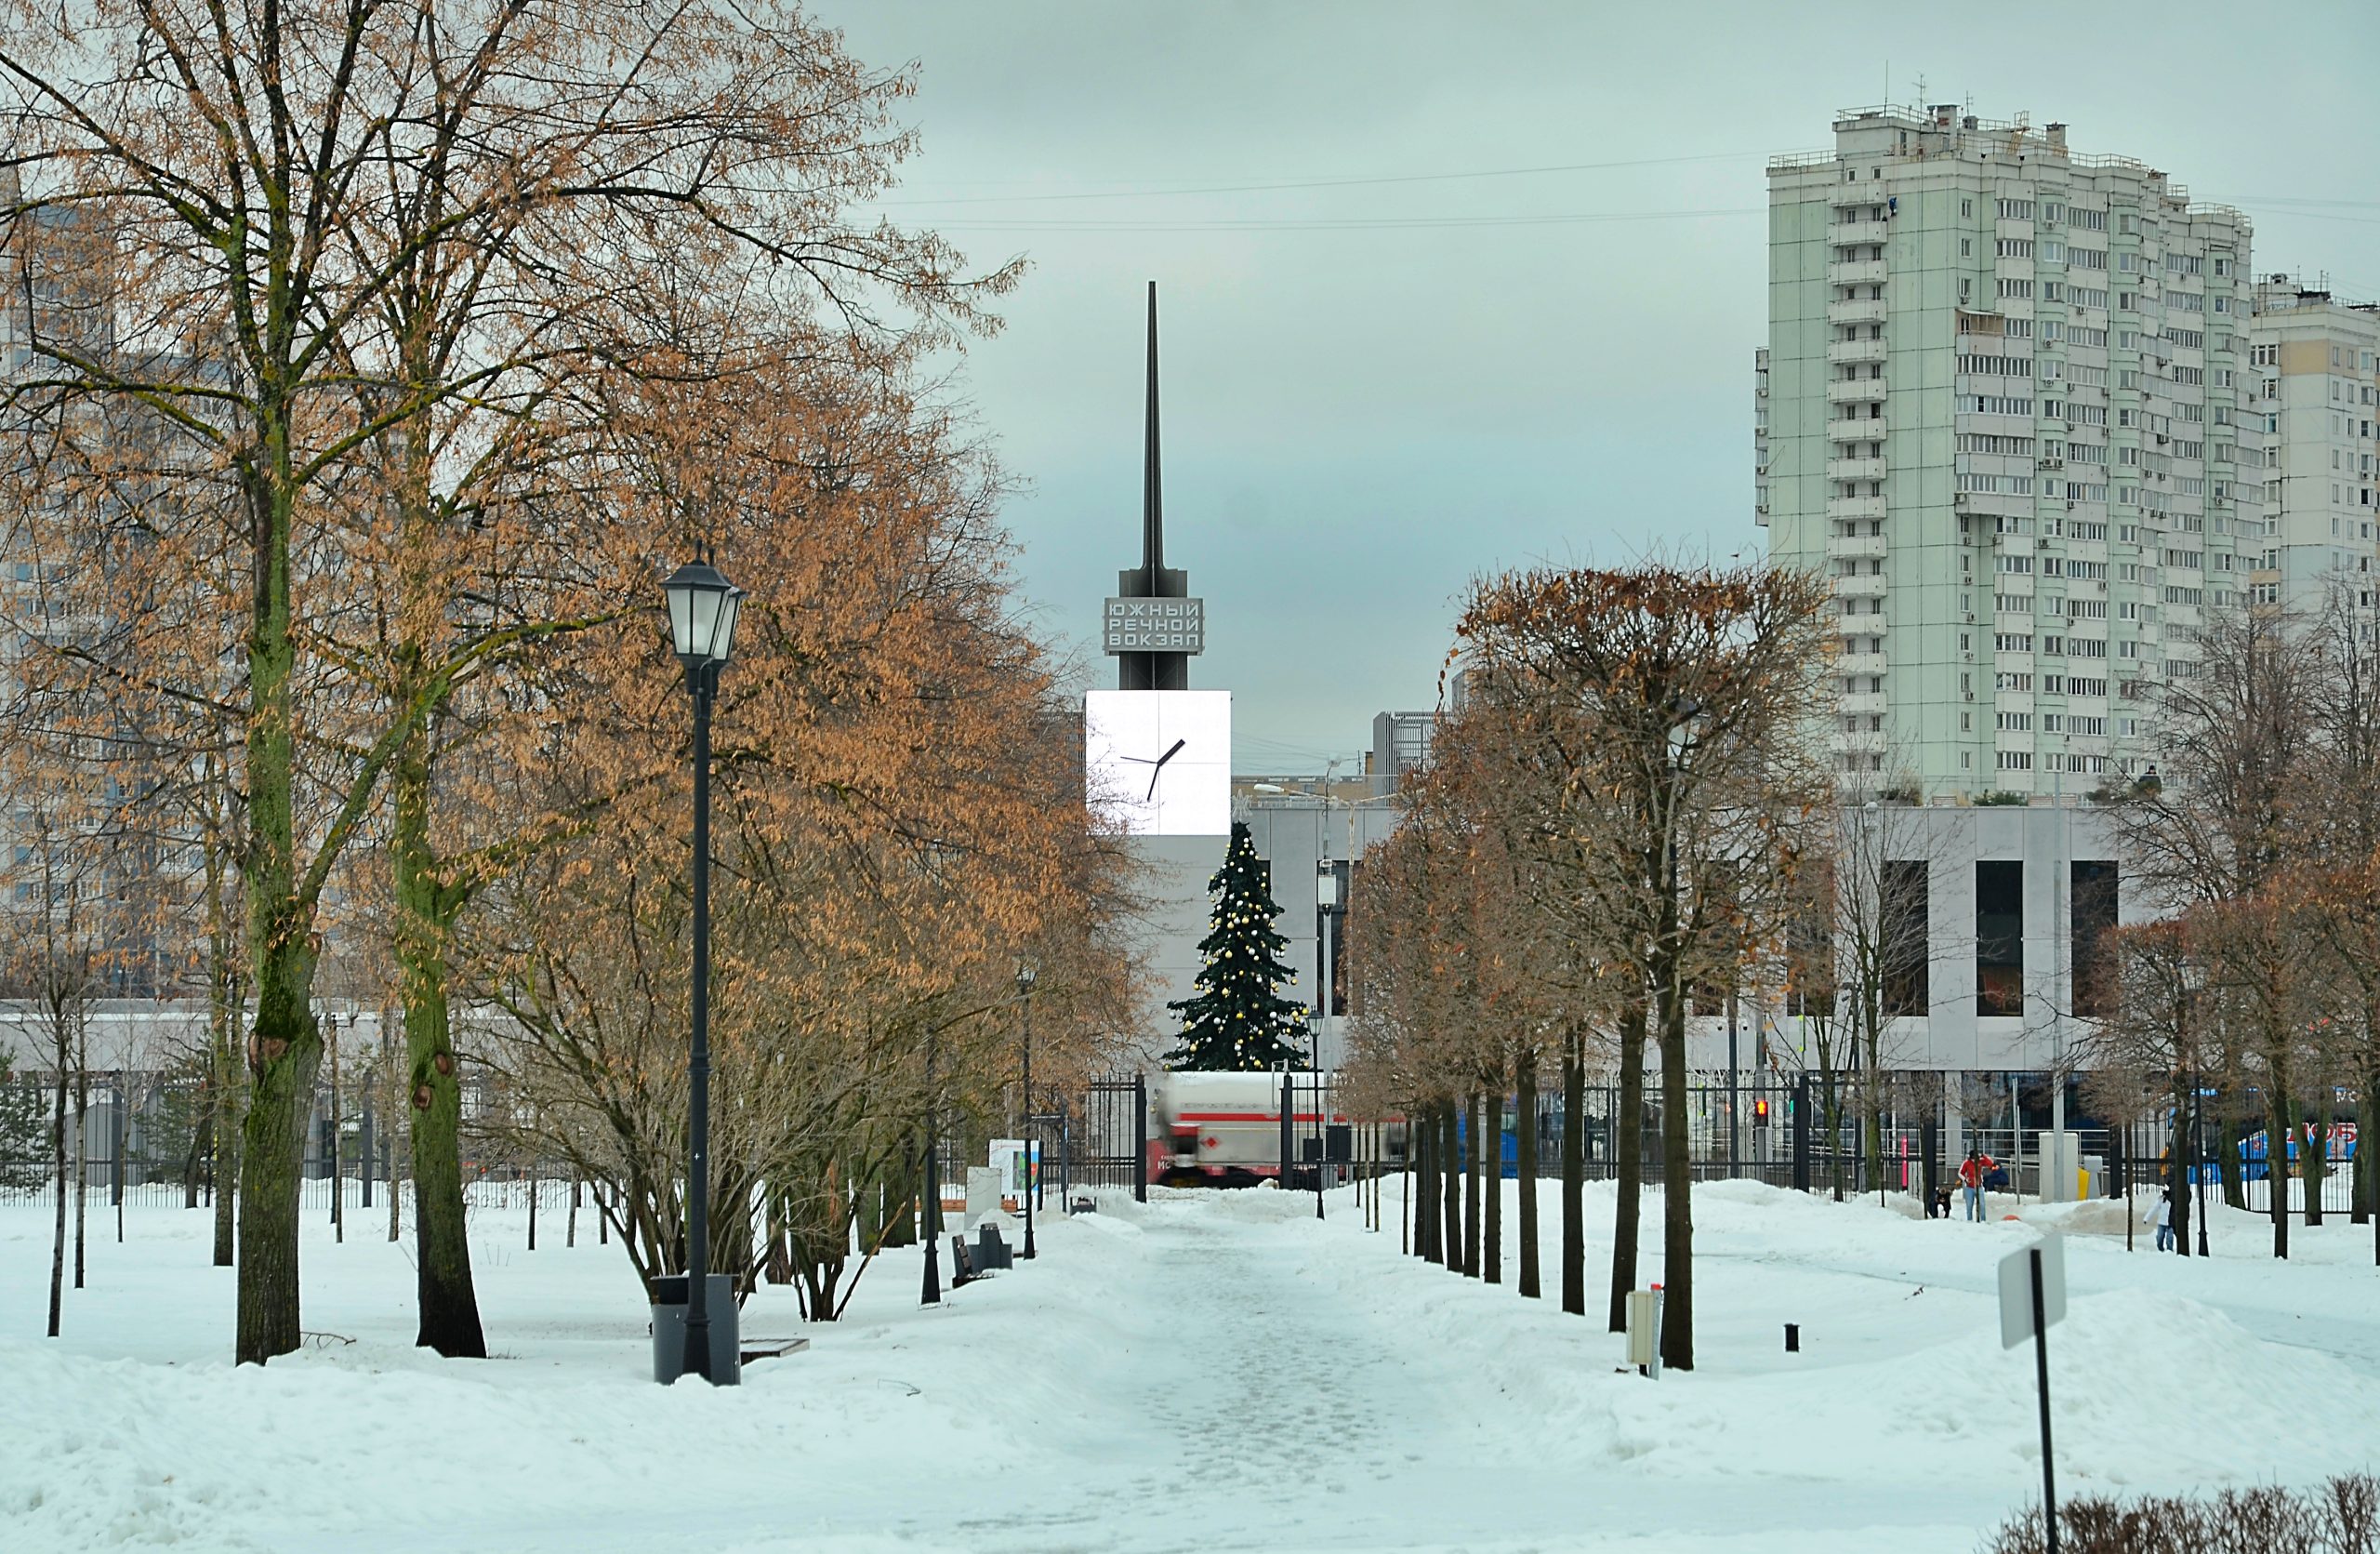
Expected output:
(2000, 937)
(2091, 905)
(1902, 936)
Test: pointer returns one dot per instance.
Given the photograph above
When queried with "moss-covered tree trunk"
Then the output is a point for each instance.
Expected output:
(427, 906)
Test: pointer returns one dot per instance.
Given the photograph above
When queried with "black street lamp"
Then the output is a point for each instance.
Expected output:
(702, 628)
(1326, 902)
(2198, 1151)
(1024, 993)
(930, 1211)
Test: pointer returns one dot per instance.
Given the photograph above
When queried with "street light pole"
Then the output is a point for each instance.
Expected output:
(1024, 992)
(703, 607)
(1326, 902)
(930, 1211)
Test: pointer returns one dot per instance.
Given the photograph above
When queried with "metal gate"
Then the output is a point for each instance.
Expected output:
(1103, 1138)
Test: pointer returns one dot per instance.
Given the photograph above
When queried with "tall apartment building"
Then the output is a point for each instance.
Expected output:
(2317, 361)
(2008, 407)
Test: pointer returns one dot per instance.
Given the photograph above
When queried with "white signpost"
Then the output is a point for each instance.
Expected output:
(2033, 1295)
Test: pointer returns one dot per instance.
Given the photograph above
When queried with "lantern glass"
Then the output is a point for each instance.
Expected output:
(703, 607)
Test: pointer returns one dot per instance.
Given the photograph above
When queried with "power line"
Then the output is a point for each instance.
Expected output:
(1333, 182)
(1345, 223)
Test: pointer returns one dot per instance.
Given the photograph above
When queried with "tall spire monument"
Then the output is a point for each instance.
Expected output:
(1152, 625)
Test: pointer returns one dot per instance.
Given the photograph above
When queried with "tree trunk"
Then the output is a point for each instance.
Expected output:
(2227, 1163)
(1677, 1176)
(1423, 1129)
(426, 908)
(1474, 1107)
(1628, 1159)
(1452, 1208)
(2315, 1152)
(1492, 1185)
(2177, 1179)
(902, 1183)
(82, 1145)
(58, 1152)
(2367, 1110)
(1524, 1149)
(272, 1144)
(1574, 1173)
(1832, 1107)
(2277, 1110)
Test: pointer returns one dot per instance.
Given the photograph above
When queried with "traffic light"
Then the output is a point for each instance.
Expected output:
(1760, 1111)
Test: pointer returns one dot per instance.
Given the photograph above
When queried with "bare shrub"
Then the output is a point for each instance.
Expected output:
(2340, 1517)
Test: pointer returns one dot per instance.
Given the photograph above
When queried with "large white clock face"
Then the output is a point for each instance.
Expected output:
(1158, 763)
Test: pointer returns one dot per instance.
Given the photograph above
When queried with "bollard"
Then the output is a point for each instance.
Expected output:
(1792, 1337)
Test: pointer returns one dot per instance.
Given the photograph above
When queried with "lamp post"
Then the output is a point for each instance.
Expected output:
(1025, 994)
(1326, 906)
(929, 1209)
(2193, 984)
(703, 607)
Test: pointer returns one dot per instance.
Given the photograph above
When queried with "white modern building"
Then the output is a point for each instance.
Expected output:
(2007, 406)
(2317, 359)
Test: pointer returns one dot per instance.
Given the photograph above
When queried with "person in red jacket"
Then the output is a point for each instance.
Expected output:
(1973, 1171)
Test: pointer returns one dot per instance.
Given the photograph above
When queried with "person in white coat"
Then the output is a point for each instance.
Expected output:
(2165, 1221)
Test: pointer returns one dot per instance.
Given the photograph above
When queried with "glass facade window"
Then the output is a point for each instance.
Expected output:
(2000, 937)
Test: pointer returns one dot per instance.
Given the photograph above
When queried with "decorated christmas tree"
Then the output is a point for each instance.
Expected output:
(1237, 1020)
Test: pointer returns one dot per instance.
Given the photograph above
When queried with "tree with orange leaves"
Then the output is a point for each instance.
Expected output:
(327, 230)
(899, 817)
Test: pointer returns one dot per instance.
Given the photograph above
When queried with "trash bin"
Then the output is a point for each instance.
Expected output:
(669, 1329)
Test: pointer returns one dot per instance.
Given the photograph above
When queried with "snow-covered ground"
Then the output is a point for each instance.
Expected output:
(1208, 1372)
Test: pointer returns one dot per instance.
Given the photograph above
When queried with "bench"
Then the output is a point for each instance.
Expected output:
(770, 1348)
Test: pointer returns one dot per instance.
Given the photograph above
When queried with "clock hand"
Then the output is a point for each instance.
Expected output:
(1161, 759)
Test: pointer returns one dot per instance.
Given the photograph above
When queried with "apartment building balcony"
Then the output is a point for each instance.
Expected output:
(1865, 586)
(1855, 309)
(1865, 742)
(1864, 704)
(1855, 546)
(1855, 469)
(1859, 663)
(1847, 352)
(1844, 234)
(1856, 391)
(1855, 509)
(1856, 273)
(1858, 428)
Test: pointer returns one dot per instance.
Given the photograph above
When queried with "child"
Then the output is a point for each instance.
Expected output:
(2165, 1220)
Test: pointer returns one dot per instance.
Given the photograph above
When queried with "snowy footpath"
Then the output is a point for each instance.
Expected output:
(1206, 1374)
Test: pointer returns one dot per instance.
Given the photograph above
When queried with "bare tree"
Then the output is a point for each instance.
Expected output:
(2223, 823)
(1672, 703)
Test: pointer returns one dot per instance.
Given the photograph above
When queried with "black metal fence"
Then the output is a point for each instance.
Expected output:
(146, 1142)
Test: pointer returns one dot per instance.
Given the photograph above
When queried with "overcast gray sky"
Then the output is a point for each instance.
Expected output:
(1373, 391)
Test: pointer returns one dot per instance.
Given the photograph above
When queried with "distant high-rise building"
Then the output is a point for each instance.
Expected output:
(2010, 412)
(2318, 364)
(1400, 744)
